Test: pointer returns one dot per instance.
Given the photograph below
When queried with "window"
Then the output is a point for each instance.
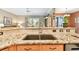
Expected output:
(36, 22)
(32, 22)
(59, 20)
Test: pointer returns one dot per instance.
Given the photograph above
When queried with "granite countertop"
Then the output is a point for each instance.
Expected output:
(32, 28)
(15, 37)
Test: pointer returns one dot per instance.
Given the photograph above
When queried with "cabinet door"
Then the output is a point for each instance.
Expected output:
(52, 47)
(12, 48)
(28, 48)
(9, 48)
(5, 49)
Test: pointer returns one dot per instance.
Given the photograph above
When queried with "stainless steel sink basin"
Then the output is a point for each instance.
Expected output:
(40, 37)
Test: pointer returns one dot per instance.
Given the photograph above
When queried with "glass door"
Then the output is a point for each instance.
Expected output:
(59, 20)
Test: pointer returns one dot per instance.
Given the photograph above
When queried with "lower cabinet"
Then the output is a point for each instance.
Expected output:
(28, 47)
(52, 48)
(25, 47)
(40, 47)
(5, 49)
(12, 48)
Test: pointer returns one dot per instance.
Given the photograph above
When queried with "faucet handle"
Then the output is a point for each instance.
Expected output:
(40, 31)
(1, 33)
(54, 30)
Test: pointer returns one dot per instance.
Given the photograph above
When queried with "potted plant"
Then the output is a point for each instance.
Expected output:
(65, 24)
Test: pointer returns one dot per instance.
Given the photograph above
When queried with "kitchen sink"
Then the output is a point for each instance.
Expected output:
(40, 37)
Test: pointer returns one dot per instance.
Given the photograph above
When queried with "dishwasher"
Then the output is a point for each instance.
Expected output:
(72, 47)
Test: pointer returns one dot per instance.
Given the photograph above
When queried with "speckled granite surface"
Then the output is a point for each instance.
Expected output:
(15, 37)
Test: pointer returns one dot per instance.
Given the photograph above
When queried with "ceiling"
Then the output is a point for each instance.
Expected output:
(38, 11)
(69, 10)
(32, 11)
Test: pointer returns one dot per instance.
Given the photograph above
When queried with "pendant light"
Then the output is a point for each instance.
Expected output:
(27, 11)
(66, 13)
(26, 16)
(47, 16)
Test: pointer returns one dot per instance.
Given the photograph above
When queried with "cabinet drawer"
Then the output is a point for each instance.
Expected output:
(6, 49)
(12, 48)
(52, 47)
(28, 47)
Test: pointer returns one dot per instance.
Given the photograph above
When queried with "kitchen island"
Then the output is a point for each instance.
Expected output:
(12, 40)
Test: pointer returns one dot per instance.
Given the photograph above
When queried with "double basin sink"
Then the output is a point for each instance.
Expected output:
(40, 37)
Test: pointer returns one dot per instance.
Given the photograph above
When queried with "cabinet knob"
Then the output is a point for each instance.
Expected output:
(27, 49)
(52, 48)
(1, 33)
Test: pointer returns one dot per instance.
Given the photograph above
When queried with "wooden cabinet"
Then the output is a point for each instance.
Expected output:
(5, 49)
(25, 47)
(12, 48)
(40, 47)
(9, 48)
(52, 47)
(28, 47)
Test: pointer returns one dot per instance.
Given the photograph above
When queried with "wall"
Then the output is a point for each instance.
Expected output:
(59, 14)
(7, 14)
(72, 18)
(62, 14)
(20, 19)
(15, 19)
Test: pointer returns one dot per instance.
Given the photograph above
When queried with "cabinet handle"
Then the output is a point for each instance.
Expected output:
(27, 49)
(52, 48)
